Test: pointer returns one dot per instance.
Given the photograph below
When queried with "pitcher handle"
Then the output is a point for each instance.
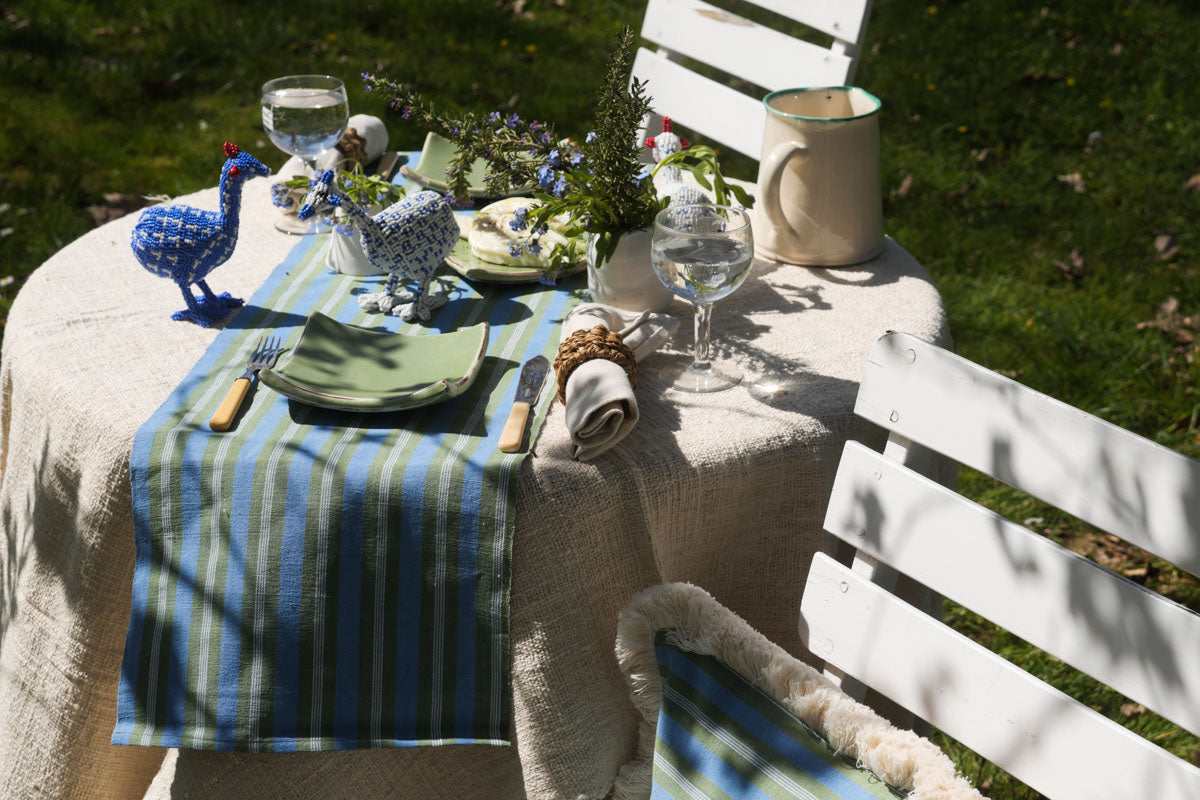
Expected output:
(779, 157)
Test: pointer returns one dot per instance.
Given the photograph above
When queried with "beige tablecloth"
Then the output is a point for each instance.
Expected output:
(721, 490)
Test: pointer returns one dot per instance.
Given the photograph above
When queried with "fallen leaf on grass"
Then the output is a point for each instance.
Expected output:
(1168, 319)
(1165, 247)
(1132, 709)
(904, 188)
(1073, 270)
(1075, 181)
(115, 206)
(982, 155)
(1192, 184)
(962, 190)
(1038, 76)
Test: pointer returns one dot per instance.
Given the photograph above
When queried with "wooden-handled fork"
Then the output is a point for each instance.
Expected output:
(264, 355)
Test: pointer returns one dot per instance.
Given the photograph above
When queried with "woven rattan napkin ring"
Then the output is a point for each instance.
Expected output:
(584, 345)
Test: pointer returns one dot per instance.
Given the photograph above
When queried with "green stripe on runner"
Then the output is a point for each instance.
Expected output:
(194, 409)
(758, 757)
(439, 604)
(681, 779)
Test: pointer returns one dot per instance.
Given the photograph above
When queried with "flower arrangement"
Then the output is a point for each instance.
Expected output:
(365, 190)
(599, 186)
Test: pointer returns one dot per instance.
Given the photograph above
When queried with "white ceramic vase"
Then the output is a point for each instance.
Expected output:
(345, 255)
(627, 279)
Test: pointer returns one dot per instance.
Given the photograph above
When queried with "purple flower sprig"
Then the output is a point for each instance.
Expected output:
(512, 147)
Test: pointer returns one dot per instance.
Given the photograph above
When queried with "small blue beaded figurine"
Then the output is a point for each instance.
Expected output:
(185, 244)
(407, 240)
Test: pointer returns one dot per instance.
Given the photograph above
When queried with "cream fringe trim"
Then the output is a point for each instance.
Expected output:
(901, 758)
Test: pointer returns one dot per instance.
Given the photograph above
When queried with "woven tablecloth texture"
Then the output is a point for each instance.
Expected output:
(722, 491)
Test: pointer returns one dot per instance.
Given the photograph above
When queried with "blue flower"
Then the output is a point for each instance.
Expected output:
(545, 176)
(534, 126)
(513, 121)
(281, 196)
(514, 250)
(454, 130)
(534, 247)
(540, 230)
(591, 137)
(578, 158)
(545, 138)
(560, 187)
(494, 116)
(517, 223)
(554, 159)
(405, 112)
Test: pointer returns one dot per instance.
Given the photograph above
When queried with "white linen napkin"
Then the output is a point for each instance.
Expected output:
(600, 404)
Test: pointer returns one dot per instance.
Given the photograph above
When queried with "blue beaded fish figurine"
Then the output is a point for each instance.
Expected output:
(407, 240)
(185, 243)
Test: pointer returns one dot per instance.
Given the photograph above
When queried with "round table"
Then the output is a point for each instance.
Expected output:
(720, 490)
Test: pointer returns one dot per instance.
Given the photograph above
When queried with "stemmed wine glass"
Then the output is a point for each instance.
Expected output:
(702, 252)
(304, 115)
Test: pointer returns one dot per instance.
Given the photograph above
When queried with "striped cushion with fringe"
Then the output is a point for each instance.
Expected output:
(726, 713)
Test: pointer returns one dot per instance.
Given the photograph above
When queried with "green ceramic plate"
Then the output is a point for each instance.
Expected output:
(430, 169)
(476, 269)
(353, 369)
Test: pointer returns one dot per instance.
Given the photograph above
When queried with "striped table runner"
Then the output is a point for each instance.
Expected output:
(719, 736)
(317, 579)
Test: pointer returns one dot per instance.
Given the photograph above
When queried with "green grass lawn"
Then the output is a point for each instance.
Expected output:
(1036, 160)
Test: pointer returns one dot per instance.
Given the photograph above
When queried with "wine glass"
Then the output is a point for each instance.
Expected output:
(304, 115)
(702, 252)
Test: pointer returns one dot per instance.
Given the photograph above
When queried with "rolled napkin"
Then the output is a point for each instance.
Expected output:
(365, 139)
(600, 404)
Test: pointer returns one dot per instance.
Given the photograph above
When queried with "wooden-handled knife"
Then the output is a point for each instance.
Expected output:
(529, 386)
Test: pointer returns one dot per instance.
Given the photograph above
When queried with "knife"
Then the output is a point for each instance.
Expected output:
(529, 386)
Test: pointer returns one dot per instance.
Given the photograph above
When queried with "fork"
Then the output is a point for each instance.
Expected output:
(264, 355)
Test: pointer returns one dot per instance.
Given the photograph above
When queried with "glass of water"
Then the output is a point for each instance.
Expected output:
(304, 115)
(702, 252)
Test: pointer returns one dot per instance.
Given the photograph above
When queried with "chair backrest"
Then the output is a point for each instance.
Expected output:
(754, 53)
(1132, 639)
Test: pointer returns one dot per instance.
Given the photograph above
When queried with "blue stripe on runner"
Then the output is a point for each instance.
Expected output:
(472, 491)
(139, 468)
(707, 763)
(738, 710)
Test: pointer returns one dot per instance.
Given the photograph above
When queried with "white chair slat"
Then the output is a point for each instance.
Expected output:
(692, 100)
(1143, 492)
(841, 19)
(1134, 640)
(735, 45)
(1052, 742)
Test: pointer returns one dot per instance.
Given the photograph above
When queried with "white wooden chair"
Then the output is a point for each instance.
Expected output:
(1134, 640)
(755, 53)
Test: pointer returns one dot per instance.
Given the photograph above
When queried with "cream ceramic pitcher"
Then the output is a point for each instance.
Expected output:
(818, 182)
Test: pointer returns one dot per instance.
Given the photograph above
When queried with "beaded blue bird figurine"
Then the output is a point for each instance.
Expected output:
(408, 240)
(185, 244)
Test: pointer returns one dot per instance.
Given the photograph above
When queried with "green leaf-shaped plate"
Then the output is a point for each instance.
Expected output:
(430, 169)
(353, 369)
(473, 268)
